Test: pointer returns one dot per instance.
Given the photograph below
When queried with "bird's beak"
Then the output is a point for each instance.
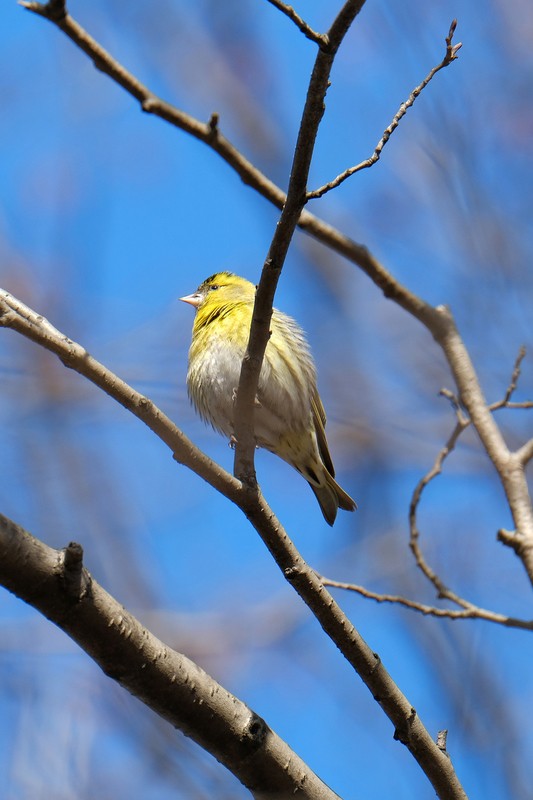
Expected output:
(192, 299)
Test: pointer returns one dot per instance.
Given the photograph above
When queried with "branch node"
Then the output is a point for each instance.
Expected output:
(402, 732)
(213, 125)
(452, 49)
(149, 103)
(74, 577)
(376, 664)
(442, 737)
(291, 573)
(255, 732)
(510, 539)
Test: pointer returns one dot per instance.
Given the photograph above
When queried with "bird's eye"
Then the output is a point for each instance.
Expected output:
(213, 287)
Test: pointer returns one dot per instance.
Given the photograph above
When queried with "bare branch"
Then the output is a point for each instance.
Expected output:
(19, 317)
(469, 611)
(409, 728)
(57, 584)
(463, 422)
(450, 55)
(209, 134)
(438, 321)
(441, 740)
(296, 198)
(319, 38)
(508, 465)
(442, 590)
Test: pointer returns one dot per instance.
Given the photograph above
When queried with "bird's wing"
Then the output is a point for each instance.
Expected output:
(319, 419)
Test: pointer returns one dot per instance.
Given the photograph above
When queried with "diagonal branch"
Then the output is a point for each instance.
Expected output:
(450, 55)
(409, 728)
(19, 317)
(56, 583)
(525, 454)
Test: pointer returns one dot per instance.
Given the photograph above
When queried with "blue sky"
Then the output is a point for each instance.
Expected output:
(107, 216)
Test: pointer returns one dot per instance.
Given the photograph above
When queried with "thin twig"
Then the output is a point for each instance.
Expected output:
(451, 55)
(470, 611)
(442, 590)
(467, 609)
(463, 422)
(320, 39)
(515, 375)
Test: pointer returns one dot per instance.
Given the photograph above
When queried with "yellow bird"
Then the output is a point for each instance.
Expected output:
(289, 418)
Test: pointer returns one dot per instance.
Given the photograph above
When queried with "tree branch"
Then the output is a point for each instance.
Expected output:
(209, 134)
(55, 583)
(469, 611)
(290, 214)
(451, 55)
(462, 423)
(409, 729)
(318, 38)
(437, 320)
(19, 317)
(508, 465)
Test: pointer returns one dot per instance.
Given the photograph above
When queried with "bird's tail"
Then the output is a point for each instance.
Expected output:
(331, 497)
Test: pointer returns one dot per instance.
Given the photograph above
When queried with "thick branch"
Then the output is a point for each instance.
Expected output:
(408, 726)
(168, 682)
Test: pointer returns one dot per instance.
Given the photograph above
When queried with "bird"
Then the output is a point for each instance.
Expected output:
(289, 418)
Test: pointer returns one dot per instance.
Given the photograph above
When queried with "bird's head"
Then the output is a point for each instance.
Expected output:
(219, 291)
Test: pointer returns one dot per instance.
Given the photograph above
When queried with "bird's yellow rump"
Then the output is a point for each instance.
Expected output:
(289, 418)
